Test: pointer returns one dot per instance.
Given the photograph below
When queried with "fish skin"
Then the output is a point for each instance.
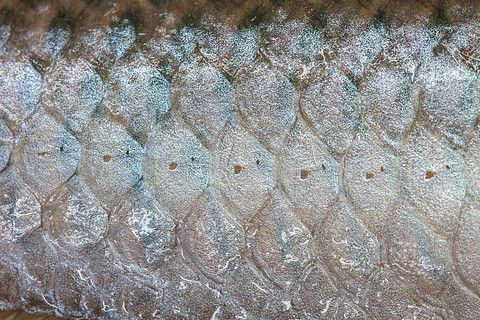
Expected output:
(195, 166)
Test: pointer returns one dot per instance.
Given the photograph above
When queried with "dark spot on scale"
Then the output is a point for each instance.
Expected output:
(172, 166)
(237, 169)
(382, 169)
(447, 167)
(107, 158)
(193, 158)
(429, 174)
(369, 176)
(257, 162)
(304, 174)
(323, 167)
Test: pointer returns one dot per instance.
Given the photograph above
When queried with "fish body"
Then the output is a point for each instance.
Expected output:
(219, 160)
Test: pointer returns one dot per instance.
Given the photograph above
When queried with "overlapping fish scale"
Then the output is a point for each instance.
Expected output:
(371, 180)
(389, 103)
(432, 179)
(72, 91)
(137, 95)
(46, 155)
(176, 167)
(243, 172)
(74, 217)
(453, 109)
(142, 224)
(20, 85)
(329, 107)
(204, 98)
(310, 175)
(111, 161)
(20, 211)
(267, 101)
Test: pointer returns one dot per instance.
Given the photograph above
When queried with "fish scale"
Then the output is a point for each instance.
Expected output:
(217, 160)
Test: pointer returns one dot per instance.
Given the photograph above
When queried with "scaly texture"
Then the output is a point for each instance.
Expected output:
(269, 166)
